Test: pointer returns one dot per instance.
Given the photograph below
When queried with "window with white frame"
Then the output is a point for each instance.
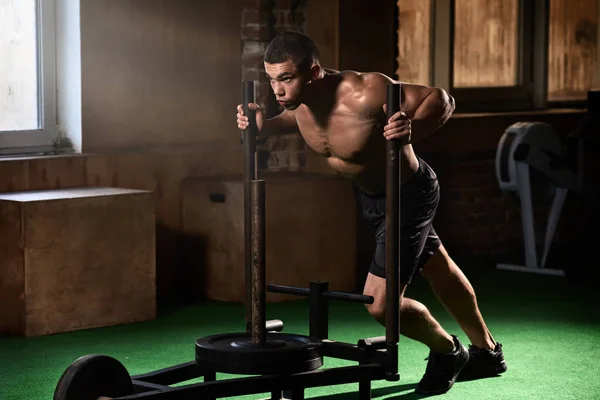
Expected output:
(27, 76)
(501, 54)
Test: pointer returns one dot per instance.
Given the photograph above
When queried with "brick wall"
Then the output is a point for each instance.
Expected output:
(261, 21)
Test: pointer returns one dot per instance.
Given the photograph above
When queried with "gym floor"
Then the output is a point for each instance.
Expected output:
(549, 327)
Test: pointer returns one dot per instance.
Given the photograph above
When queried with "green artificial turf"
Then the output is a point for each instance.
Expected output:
(549, 327)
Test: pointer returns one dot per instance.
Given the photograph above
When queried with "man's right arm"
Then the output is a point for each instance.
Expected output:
(280, 124)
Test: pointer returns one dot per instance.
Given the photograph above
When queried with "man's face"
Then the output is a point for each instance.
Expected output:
(287, 83)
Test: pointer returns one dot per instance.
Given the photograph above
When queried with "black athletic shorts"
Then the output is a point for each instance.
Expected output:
(419, 198)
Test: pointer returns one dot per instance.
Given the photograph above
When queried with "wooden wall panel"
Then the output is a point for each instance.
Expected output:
(56, 172)
(322, 26)
(489, 57)
(14, 175)
(97, 171)
(414, 41)
(367, 36)
(572, 58)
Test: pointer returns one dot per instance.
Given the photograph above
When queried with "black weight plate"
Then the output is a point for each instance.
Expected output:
(282, 353)
(93, 376)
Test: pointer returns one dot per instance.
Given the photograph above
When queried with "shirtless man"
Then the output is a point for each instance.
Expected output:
(342, 116)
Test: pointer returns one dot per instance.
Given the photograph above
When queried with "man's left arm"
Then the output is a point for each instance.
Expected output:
(428, 108)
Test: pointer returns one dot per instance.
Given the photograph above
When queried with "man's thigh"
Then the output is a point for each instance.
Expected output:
(417, 244)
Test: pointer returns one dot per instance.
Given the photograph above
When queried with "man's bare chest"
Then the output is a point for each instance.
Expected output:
(341, 136)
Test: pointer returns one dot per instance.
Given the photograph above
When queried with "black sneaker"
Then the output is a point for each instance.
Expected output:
(442, 370)
(483, 363)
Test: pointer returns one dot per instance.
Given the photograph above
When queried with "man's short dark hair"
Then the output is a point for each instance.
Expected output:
(294, 46)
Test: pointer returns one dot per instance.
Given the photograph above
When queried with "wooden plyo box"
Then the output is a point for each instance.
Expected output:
(75, 259)
(309, 227)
